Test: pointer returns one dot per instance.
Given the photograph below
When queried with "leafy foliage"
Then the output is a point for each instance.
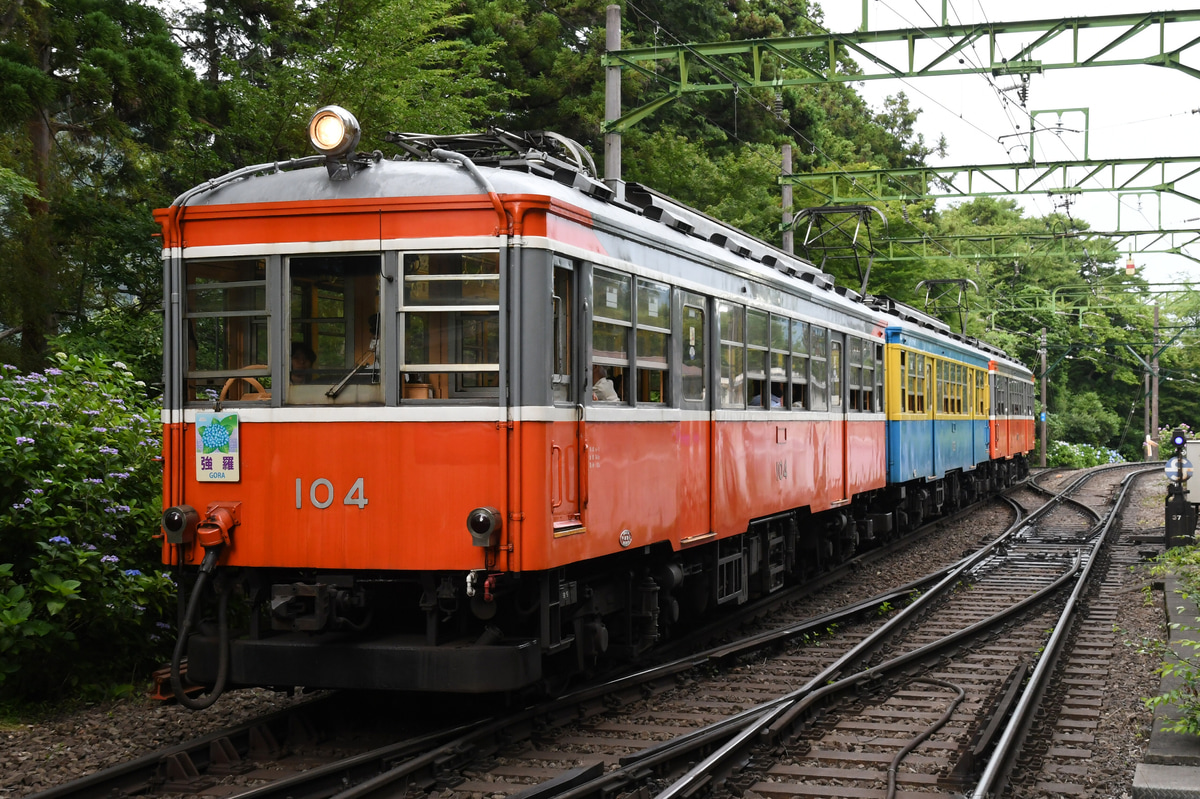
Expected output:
(93, 90)
(79, 500)
(1079, 456)
(1183, 662)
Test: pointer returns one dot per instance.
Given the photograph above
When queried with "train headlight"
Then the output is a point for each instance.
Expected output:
(180, 523)
(484, 526)
(333, 131)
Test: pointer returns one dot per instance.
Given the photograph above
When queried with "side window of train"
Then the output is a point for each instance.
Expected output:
(757, 338)
(563, 312)
(693, 379)
(835, 371)
(922, 382)
(732, 320)
(612, 319)
(225, 311)
(653, 341)
(858, 377)
(777, 368)
(333, 330)
(941, 398)
(819, 368)
(800, 363)
(879, 377)
(909, 381)
(450, 304)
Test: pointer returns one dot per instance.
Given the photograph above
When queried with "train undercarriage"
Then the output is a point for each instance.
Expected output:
(483, 632)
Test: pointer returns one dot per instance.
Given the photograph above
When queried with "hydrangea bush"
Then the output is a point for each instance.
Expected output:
(82, 601)
(1080, 456)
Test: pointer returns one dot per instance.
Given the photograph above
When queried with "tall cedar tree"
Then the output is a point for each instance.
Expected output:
(90, 89)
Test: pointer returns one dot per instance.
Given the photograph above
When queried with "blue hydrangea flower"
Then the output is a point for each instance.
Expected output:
(60, 539)
(215, 436)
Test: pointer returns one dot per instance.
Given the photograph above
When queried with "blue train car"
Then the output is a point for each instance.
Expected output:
(937, 402)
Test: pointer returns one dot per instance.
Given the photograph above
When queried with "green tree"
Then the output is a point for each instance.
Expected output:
(397, 65)
(93, 90)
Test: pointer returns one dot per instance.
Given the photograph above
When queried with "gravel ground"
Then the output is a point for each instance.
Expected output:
(36, 754)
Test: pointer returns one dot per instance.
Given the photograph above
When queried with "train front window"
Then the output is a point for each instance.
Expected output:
(334, 347)
(225, 311)
(451, 309)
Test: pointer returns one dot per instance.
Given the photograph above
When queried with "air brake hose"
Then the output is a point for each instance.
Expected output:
(207, 566)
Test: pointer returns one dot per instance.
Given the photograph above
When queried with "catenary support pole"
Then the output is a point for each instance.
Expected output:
(612, 103)
(1154, 381)
(789, 239)
(1045, 402)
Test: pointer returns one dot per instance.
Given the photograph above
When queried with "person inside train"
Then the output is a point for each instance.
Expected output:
(776, 399)
(602, 386)
(302, 362)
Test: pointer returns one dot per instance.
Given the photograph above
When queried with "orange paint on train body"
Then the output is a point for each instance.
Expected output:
(372, 220)
(1011, 435)
(420, 479)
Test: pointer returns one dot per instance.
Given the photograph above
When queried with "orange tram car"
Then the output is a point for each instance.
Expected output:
(463, 420)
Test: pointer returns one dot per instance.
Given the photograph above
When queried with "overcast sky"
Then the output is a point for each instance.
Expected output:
(1135, 111)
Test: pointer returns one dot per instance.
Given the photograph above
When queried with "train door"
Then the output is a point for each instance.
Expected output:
(697, 428)
(838, 456)
(568, 465)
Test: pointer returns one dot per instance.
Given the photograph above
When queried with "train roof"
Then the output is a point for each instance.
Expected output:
(543, 163)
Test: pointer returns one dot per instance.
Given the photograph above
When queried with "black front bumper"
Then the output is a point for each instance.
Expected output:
(388, 663)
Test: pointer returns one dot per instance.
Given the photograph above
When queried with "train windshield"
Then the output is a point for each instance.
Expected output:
(450, 306)
(333, 319)
(227, 331)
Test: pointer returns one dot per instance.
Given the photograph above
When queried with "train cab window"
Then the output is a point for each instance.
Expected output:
(818, 368)
(334, 330)
(225, 310)
(732, 320)
(757, 338)
(612, 319)
(563, 312)
(800, 355)
(692, 379)
(450, 304)
(653, 335)
(778, 366)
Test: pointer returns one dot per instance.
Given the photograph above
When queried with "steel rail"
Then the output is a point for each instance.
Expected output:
(1003, 755)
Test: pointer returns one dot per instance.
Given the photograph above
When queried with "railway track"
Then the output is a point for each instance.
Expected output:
(810, 707)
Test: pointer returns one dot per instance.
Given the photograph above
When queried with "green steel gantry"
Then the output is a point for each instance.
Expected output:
(802, 60)
(1112, 175)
